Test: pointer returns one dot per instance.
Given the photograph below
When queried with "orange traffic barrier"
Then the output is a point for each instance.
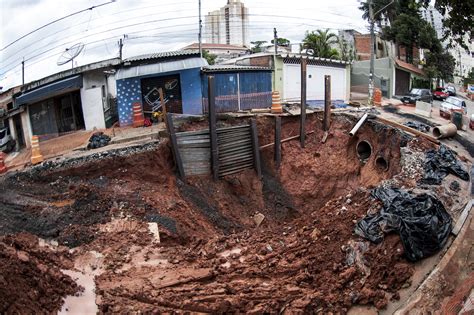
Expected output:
(378, 97)
(3, 167)
(138, 118)
(36, 156)
(276, 103)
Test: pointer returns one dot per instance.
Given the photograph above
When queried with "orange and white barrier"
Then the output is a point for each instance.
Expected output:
(36, 156)
(3, 167)
(378, 97)
(276, 103)
(138, 117)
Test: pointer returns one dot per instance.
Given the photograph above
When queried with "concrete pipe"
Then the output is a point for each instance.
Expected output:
(381, 163)
(364, 150)
(445, 131)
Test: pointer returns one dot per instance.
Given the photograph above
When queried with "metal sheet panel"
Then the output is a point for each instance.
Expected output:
(50, 90)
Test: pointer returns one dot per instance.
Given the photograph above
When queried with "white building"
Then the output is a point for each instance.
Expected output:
(228, 25)
(464, 58)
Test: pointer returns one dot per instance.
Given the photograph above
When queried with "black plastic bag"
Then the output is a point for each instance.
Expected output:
(98, 140)
(418, 126)
(438, 164)
(421, 221)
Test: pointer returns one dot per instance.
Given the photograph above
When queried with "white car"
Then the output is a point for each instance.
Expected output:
(6, 142)
(452, 104)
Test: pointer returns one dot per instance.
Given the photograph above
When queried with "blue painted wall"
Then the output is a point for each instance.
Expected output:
(255, 90)
(129, 92)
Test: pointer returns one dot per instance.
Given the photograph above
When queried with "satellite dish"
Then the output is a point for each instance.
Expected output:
(69, 54)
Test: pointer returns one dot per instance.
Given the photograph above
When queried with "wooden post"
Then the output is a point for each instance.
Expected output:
(163, 106)
(303, 101)
(255, 147)
(327, 102)
(277, 141)
(174, 145)
(212, 127)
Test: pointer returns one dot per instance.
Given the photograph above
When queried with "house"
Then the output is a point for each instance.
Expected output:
(177, 73)
(286, 76)
(392, 76)
(79, 98)
(222, 51)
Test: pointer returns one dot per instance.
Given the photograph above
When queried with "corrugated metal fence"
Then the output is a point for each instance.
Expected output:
(235, 151)
(239, 91)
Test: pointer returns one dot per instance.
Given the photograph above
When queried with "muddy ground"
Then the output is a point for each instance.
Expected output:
(97, 220)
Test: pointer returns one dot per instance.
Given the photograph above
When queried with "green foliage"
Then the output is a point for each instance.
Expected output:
(320, 43)
(346, 51)
(257, 46)
(458, 22)
(211, 58)
(469, 79)
(440, 65)
(281, 42)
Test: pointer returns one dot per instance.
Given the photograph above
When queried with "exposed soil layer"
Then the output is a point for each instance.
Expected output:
(31, 280)
(212, 256)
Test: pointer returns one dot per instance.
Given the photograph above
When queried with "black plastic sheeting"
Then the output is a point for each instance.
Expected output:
(421, 221)
(438, 164)
(98, 140)
(418, 126)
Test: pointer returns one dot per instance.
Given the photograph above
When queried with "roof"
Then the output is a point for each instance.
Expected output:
(290, 55)
(215, 46)
(160, 55)
(67, 73)
(222, 68)
(163, 66)
(410, 67)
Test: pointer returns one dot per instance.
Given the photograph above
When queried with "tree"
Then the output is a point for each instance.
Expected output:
(458, 20)
(320, 43)
(211, 58)
(347, 51)
(282, 42)
(257, 46)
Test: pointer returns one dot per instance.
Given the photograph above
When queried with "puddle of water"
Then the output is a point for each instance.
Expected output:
(86, 268)
(85, 302)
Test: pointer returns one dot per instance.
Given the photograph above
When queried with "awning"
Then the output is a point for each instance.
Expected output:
(50, 90)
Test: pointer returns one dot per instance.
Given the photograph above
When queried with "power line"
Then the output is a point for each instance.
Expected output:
(52, 22)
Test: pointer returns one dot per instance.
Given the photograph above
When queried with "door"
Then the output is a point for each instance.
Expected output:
(171, 86)
(20, 137)
(402, 82)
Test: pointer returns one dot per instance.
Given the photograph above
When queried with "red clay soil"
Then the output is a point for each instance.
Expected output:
(212, 258)
(30, 277)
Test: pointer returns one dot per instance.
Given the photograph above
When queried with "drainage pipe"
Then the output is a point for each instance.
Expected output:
(445, 131)
(358, 125)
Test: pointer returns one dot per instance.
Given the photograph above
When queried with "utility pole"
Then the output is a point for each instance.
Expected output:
(200, 30)
(120, 43)
(23, 71)
(275, 40)
(372, 53)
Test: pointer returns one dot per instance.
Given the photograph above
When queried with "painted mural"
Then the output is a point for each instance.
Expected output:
(128, 92)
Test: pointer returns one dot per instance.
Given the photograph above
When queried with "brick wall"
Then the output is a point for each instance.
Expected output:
(362, 46)
(264, 61)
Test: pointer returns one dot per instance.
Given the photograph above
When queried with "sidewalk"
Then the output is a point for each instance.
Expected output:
(75, 144)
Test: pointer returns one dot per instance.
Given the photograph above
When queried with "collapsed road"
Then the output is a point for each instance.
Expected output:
(122, 233)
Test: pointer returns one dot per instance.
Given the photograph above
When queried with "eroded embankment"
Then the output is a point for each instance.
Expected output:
(212, 257)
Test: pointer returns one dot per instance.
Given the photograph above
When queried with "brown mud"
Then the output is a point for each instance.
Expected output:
(212, 257)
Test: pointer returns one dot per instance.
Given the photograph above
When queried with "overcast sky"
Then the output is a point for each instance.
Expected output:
(151, 26)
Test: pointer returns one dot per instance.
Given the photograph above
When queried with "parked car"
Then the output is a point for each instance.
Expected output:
(452, 104)
(451, 90)
(6, 141)
(417, 95)
(440, 94)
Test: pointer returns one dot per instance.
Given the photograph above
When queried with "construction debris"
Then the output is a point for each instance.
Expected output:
(98, 140)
